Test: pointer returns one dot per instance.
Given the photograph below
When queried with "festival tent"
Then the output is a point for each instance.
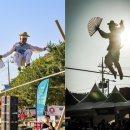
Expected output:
(115, 99)
(94, 98)
(114, 107)
(120, 103)
(70, 99)
(116, 96)
(98, 106)
(95, 95)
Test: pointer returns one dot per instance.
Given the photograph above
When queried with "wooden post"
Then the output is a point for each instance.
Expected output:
(60, 29)
(61, 119)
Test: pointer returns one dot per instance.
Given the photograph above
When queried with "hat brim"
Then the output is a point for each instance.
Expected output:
(24, 34)
(21, 36)
(115, 24)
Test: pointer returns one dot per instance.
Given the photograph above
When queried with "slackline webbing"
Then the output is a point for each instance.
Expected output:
(33, 81)
(92, 71)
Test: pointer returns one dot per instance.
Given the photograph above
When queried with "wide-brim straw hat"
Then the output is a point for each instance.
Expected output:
(112, 23)
(24, 34)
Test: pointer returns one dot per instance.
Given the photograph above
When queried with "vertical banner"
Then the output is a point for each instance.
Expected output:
(41, 98)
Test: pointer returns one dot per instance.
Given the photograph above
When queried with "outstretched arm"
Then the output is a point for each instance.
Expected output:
(37, 49)
(103, 34)
(121, 28)
(8, 53)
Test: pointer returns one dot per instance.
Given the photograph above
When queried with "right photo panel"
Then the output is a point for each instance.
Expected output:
(97, 64)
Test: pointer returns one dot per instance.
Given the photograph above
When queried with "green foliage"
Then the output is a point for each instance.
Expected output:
(50, 63)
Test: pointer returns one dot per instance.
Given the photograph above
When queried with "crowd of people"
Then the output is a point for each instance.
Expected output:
(81, 124)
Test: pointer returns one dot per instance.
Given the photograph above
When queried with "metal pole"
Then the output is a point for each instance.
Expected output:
(8, 74)
(108, 86)
(36, 104)
(102, 76)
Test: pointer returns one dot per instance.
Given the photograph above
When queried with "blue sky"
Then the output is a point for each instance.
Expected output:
(35, 17)
(85, 52)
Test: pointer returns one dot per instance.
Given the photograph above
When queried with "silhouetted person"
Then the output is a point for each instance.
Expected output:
(114, 47)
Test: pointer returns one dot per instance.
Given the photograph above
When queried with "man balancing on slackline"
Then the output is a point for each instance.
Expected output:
(114, 47)
(22, 51)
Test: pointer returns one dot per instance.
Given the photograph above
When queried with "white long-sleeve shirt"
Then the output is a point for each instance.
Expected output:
(21, 48)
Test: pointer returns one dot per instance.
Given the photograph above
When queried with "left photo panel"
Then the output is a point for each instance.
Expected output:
(32, 60)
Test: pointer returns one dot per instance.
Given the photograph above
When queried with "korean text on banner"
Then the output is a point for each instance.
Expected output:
(41, 97)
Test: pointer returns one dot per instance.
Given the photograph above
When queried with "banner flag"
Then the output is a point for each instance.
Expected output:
(41, 98)
(6, 86)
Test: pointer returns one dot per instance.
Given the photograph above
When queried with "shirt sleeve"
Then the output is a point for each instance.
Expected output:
(104, 34)
(9, 52)
(36, 49)
(121, 28)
